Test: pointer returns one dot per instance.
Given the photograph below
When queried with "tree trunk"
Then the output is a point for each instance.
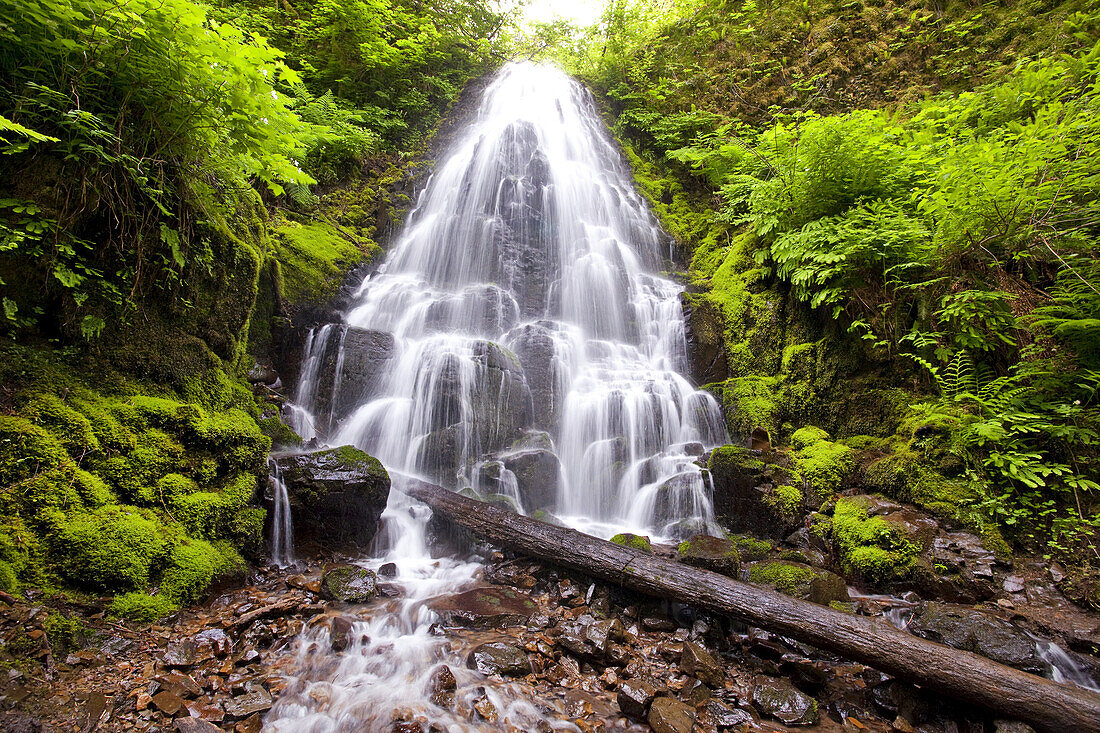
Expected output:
(1046, 705)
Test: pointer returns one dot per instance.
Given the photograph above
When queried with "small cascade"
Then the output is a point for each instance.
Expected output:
(1063, 667)
(282, 528)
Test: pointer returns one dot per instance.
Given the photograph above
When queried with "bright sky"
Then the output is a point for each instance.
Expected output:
(580, 12)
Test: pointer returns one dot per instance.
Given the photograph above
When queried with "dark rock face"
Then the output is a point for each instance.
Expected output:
(668, 715)
(779, 699)
(706, 341)
(534, 345)
(538, 474)
(336, 495)
(488, 607)
(499, 658)
(741, 486)
(713, 553)
(366, 356)
(348, 584)
(970, 629)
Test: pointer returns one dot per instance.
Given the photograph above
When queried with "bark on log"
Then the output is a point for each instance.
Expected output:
(1046, 705)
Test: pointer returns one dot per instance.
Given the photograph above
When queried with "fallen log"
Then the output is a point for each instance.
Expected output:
(1046, 705)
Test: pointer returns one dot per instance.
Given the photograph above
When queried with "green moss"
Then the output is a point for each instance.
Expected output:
(787, 577)
(194, 565)
(9, 582)
(750, 548)
(822, 464)
(314, 259)
(111, 549)
(637, 542)
(209, 514)
(871, 547)
(786, 499)
(72, 429)
(360, 460)
(280, 433)
(141, 607)
(27, 450)
(750, 402)
(806, 436)
(65, 634)
(729, 457)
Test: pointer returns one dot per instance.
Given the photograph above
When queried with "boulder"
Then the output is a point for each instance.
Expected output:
(534, 344)
(635, 697)
(713, 553)
(500, 658)
(706, 339)
(967, 628)
(538, 474)
(779, 699)
(669, 715)
(442, 686)
(486, 607)
(743, 494)
(348, 584)
(367, 356)
(800, 580)
(336, 495)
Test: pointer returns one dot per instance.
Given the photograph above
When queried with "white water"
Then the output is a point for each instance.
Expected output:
(522, 322)
(282, 526)
(1063, 667)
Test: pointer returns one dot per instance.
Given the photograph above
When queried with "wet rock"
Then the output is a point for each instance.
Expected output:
(779, 699)
(336, 495)
(669, 715)
(538, 473)
(499, 658)
(179, 684)
(487, 607)
(590, 639)
(485, 709)
(967, 628)
(255, 701)
(1012, 726)
(534, 345)
(712, 553)
(366, 355)
(695, 693)
(701, 664)
(194, 725)
(635, 697)
(743, 486)
(706, 339)
(205, 709)
(168, 703)
(340, 633)
(442, 686)
(199, 648)
(800, 580)
(348, 584)
(722, 715)
(388, 570)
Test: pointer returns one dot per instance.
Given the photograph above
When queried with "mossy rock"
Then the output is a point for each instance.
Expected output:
(750, 549)
(822, 464)
(871, 548)
(635, 541)
(348, 584)
(713, 553)
(800, 581)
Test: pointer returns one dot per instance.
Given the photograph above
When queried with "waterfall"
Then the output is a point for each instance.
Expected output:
(282, 528)
(520, 323)
(520, 343)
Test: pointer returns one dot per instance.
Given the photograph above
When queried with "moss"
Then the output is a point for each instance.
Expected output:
(209, 514)
(871, 547)
(93, 491)
(141, 607)
(314, 259)
(360, 460)
(788, 578)
(111, 549)
(280, 433)
(27, 450)
(65, 634)
(822, 464)
(806, 436)
(637, 542)
(9, 582)
(750, 548)
(750, 402)
(72, 429)
(786, 499)
(725, 458)
(194, 565)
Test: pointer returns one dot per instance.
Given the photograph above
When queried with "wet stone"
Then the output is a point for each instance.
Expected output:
(635, 697)
(194, 725)
(668, 715)
(348, 584)
(340, 633)
(180, 684)
(701, 664)
(168, 703)
(499, 658)
(242, 706)
(779, 699)
(388, 570)
(722, 715)
(442, 687)
(489, 607)
(711, 553)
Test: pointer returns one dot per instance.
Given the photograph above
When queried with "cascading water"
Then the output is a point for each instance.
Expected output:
(282, 527)
(517, 342)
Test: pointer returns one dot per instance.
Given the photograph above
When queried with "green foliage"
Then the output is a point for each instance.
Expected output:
(789, 578)
(315, 258)
(870, 547)
(141, 607)
(193, 565)
(108, 549)
(787, 499)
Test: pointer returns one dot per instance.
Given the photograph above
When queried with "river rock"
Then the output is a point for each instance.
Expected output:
(256, 700)
(721, 715)
(669, 715)
(779, 699)
(199, 648)
(486, 607)
(635, 697)
(348, 584)
(499, 658)
(336, 495)
(442, 686)
(712, 553)
(538, 474)
(194, 725)
(701, 664)
(966, 628)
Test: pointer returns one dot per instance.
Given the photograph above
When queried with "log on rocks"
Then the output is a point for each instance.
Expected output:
(1047, 705)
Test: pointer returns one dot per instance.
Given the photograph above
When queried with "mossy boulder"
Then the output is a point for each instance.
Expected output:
(872, 548)
(336, 495)
(713, 553)
(747, 497)
(348, 584)
(634, 541)
(822, 464)
(800, 580)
